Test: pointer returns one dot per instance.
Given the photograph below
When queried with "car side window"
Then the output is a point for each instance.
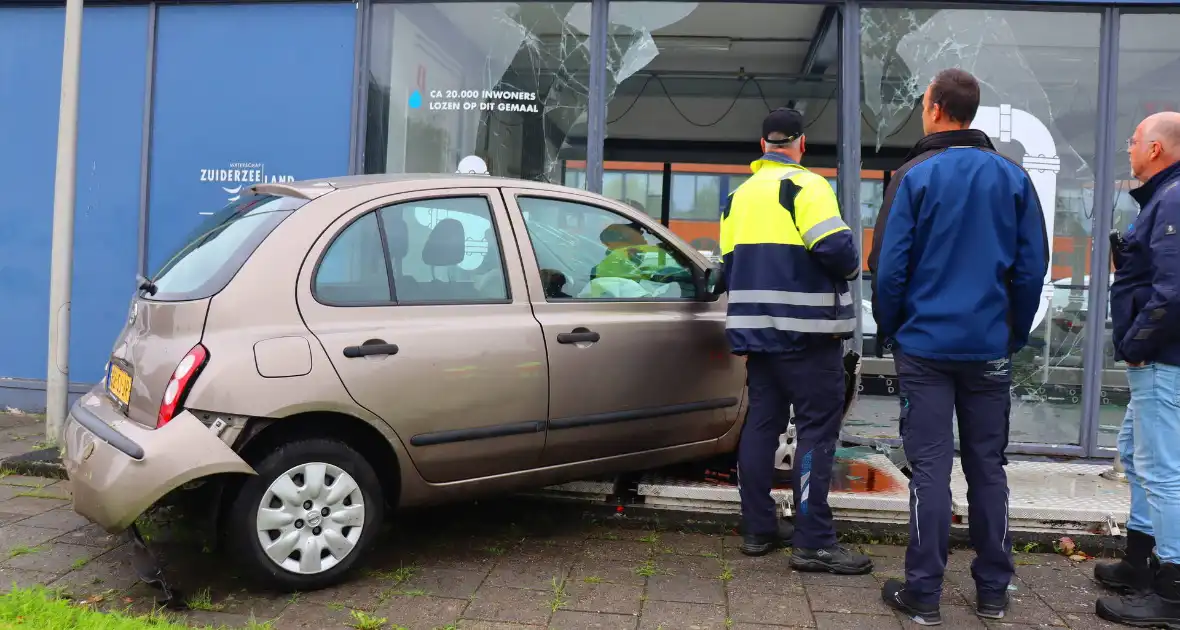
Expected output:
(352, 272)
(444, 250)
(586, 252)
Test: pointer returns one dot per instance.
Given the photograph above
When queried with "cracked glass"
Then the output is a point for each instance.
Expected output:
(1149, 62)
(690, 83)
(1038, 73)
(491, 87)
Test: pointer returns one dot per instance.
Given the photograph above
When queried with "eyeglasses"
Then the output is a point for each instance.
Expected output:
(1130, 142)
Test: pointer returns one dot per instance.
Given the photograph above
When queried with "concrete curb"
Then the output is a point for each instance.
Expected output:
(45, 462)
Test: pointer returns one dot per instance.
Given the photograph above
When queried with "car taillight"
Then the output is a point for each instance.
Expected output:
(180, 383)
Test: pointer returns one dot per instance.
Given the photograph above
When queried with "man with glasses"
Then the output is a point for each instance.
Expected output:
(1145, 313)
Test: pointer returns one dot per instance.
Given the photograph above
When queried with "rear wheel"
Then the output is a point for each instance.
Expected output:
(308, 516)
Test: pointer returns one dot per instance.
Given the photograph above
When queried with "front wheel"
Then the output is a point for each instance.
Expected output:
(308, 516)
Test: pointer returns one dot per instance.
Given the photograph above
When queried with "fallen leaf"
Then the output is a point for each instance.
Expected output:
(1077, 557)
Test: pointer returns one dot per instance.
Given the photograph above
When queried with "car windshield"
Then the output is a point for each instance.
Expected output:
(219, 246)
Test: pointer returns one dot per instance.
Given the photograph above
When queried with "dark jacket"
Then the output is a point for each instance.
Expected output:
(1145, 296)
(960, 252)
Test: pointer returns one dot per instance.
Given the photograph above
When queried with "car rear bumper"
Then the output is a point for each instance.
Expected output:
(119, 468)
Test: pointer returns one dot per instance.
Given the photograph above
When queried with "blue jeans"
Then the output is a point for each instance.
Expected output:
(1154, 473)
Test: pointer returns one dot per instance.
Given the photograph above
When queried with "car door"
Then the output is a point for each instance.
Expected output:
(636, 360)
(423, 312)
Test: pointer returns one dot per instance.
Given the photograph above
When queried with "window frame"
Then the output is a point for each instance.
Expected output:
(394, 301)
(633, 216)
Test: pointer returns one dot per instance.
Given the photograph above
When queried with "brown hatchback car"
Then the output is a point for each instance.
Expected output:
(330, 349)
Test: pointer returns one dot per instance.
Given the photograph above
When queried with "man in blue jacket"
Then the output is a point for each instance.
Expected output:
(1145, 313)
(959, 262)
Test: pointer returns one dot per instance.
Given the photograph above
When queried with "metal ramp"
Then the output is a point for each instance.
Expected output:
(1044, 496)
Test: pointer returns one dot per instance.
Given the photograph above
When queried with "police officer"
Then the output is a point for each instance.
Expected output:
(787, 259)
(1145, 314)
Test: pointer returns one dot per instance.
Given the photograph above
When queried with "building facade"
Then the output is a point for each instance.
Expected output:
(185, 103)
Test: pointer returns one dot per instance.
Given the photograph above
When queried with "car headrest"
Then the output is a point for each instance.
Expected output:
(397, 235)
(446, 244)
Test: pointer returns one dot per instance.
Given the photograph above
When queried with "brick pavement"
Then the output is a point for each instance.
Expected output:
(516, 564)
(507, 564)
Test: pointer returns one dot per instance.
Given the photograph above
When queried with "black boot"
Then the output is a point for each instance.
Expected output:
(1134, 573)
(1158, 608)
(762, 544)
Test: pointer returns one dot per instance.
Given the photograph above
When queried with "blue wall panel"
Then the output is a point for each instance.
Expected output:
(110, 122)
(244, 93)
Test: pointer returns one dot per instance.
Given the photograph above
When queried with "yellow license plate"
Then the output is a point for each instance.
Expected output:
(119, 384)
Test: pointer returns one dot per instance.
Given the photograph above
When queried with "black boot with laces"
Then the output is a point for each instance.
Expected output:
(1157, 608)
(1135, 572)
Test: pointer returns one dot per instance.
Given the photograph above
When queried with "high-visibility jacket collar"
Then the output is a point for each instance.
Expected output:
(774, 160)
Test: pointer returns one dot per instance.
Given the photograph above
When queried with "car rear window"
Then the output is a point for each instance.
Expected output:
(218, 248)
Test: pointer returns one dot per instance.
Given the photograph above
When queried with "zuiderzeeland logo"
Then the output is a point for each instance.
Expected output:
(241, 175)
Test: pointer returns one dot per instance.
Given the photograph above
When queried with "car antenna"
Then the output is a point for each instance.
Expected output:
(146, 285)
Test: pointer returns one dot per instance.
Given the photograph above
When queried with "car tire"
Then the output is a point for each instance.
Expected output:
(332, 535)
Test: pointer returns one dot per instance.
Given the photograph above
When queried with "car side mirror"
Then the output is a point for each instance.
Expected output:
(706, 284)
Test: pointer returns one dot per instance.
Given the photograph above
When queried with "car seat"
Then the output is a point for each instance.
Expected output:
(397, 239)
(446, 247)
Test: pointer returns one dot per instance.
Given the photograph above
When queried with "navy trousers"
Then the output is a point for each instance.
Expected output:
(814, 382)
(979, 393)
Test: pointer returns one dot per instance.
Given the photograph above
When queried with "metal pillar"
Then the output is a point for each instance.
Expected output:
(1093, 354)
(596, 100)
(849, 171)
(57, 382)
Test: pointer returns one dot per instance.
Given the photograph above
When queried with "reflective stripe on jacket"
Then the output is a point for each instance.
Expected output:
(787, 259)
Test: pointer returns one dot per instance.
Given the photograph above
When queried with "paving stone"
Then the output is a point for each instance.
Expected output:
(28, 482)
(681, 616)
(679, 588)
(607, 571)
(1070, 591)
(454, 583)
(838, 621)
(1082, 621)
(62, 519)
(9, 492)
(958, 588)
(604, 598)
(846, 600)
(956, 617)
(474, 624)
(700, 567)
(1028, 609)
(22, 578)
(111, 571)
(214, 619)
(495, 603)
(776, 561)
(616, 551)
(766, 582)
(829, 579)
(92, 535)
(309, 616)
(689, 544)
(576, 620)
(453, 556)
(55, 558)
(783, 610)
(16, 536)
(423, 612)
(542, 572)
(883, 551)
(32, 506)
(363, 592)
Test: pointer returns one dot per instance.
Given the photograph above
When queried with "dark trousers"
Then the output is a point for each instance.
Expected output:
(979, 393)
(814, 382)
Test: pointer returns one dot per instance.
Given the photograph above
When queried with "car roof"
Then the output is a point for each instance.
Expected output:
(393, 183)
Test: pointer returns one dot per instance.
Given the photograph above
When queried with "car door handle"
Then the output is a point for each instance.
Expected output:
(370, 348)
(578, 336)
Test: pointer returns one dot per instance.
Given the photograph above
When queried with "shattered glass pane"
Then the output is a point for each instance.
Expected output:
(496, 87)
(1038, 73)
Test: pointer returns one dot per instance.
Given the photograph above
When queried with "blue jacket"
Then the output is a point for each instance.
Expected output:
(960, 252)
(1145, 296)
